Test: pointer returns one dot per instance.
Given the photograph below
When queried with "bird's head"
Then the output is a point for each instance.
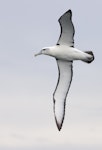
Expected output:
(45, 51)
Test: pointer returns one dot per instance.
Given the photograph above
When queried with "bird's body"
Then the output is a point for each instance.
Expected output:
(65, 53)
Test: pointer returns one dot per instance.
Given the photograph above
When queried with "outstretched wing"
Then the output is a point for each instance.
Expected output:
(62, 88)
(67, 29)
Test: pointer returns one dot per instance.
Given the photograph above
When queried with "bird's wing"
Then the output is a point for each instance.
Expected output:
(62, 88)
(67, 29)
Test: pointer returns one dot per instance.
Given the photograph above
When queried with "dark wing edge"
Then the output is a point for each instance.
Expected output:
(59, 125)
(61, 27)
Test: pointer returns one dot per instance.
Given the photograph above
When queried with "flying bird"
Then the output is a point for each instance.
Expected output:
(65, 53)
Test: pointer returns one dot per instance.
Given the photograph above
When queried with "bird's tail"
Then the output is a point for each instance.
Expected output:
(89, 57)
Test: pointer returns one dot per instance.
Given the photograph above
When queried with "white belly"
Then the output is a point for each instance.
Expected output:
(67, 53)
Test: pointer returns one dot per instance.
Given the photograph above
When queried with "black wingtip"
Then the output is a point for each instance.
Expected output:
(69, 11)
(59, 125)
(59, 128)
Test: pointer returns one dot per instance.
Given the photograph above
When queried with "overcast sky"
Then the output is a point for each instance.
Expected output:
(27, 83)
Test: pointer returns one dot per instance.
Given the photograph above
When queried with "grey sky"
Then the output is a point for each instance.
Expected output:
(27, 83)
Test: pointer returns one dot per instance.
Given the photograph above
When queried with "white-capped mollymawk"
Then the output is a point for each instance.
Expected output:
(65, 53)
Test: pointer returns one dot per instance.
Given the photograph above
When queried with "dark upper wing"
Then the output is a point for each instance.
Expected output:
(67, 29)
(63, 85)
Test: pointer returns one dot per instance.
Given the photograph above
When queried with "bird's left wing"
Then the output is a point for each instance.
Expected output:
(61, 91)
(67, 29)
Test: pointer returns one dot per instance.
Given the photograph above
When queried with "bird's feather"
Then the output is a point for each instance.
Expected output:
(62, 88)
(67, 29)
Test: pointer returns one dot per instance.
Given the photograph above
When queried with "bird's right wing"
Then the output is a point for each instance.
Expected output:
(67, 29)
(62, 88)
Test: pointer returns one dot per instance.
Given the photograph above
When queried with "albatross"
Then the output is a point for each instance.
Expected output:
(65, 53)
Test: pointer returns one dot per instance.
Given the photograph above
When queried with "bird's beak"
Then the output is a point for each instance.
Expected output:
(38, 53)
